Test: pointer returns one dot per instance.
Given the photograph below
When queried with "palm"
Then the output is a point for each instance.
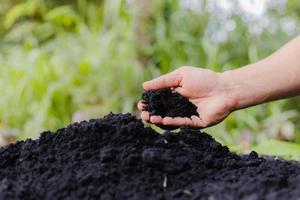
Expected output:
(211, 110)
(203, 87)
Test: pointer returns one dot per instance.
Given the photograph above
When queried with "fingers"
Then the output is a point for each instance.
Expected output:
(194, 122)
(140, 105)
(145, 115)
(171, 79)
(198, 122)
(182, 91)
(177, 121)
(153, 119)
(156, 119)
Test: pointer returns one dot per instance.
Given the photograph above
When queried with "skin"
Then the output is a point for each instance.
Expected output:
(218, 94)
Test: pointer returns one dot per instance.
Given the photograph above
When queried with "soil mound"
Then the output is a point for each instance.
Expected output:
(168, 103)
(118, 158)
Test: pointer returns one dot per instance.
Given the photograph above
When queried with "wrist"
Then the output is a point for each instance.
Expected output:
(245, 87)
(237, 90)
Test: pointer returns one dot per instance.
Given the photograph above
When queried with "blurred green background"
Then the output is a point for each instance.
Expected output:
(71, 60)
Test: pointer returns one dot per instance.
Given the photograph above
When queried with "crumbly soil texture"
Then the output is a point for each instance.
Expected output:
(117, 157)
(168, 103)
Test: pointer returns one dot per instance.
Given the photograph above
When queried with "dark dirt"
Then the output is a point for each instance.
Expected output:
(118, 158)
(168, 103)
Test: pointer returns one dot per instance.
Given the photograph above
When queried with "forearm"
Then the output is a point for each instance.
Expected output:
(275, 77)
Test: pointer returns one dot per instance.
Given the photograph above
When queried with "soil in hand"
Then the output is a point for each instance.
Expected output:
(117, 157)
(168, 103)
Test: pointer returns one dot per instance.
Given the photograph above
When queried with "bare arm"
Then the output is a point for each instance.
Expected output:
(275, 77)
(218, 94)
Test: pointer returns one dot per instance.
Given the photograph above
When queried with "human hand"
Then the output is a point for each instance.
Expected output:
(204, 88)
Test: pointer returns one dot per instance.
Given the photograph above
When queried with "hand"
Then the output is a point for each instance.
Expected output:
(204, 88)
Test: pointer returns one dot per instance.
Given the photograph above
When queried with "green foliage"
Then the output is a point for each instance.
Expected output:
(81, 75)
(68, 60)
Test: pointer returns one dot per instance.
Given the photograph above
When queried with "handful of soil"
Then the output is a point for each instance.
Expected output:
(118, 158)
(168, 103)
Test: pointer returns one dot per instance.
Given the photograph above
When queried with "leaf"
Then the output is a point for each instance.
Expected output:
(20, 10)
(21, 31)
(63, 15)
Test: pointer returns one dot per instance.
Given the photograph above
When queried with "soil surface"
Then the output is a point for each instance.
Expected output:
(117, 157)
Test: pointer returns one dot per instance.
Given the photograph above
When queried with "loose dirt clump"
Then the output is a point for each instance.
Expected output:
(117, 157)
(168, 103)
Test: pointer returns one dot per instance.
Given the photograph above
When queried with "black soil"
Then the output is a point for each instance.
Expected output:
(118, 158)
(168, 103)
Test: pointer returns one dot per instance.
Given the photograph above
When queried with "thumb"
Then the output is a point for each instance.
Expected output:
(171, 79)
(182, 91)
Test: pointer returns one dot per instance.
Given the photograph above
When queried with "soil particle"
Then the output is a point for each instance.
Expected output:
(117, 157)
